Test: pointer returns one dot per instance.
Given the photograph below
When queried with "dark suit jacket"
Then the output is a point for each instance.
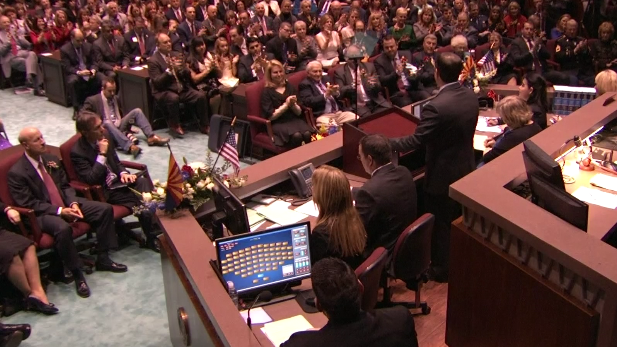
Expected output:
(89, 171)
(105, 58)
(29, 191)
(212, 28)
(269, 22)
(387, 204)
(70, 60)
(131, 44)
(275, 47)
(236, 50)
(245, 73)
(171, 14)
(511, 139)
(446, 129)
(309, 95)
(343, 77)
(220, 9)
(94, 104)
(426, 69)
(388, 76)
(186, 35)
(160, 80)
(201, 13)
(523, 57)
(388, 327)
(176, 43)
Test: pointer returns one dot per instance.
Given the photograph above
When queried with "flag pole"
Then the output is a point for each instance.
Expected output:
(233, 121)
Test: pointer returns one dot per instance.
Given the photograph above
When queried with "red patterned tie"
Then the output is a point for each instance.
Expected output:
(54, 194)
(13, 46)
(142, 46)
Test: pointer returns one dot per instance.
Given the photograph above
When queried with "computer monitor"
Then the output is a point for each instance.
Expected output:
(559, 202)
(268, 258)
(539, 163)
(236, 219)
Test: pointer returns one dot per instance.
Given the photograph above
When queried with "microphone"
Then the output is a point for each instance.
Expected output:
(265, 296)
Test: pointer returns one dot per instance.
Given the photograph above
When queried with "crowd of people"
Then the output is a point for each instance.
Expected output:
(361, 57)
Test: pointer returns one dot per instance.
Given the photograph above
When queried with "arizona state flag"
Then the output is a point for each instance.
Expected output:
(174, 184)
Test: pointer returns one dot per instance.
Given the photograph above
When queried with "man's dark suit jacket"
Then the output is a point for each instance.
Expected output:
(269, 22)
(212, 28)
(447, 126)
(160, 80)
(523, 57)
(171, 14)
(184, 30)
(221, 11)
(309, 95)
(29, 191)
(343, 77)
(387, 204)
(105, 59)
(388, 76)
(131, 44)
(236, 50)
(176, 43)
(201, 13)
(89, 171)
(245, 73)
(70, 61)
(426, 70)
(94, 104)
(275, 47)
(388, 327)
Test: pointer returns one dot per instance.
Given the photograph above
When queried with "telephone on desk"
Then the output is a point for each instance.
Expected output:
(302, 180)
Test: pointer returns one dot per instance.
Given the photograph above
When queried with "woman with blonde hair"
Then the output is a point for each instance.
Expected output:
(279, 104)
(339, 232)
(426, 23)
(606, 81)
(518, 116)
(226, 63)
(328, 42)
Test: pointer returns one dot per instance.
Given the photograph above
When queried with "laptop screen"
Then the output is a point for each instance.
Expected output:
(262, 259)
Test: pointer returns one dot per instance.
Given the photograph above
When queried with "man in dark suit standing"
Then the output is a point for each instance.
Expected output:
(366, 98)
(77, 60)
(106, 170)
(139, 43)
(284, 48)
(338, 294)
(446, 130)
(190, 28)
(37, 181)
(393, 73)
(387, 203)
(529, 53)
(169, 75)
(316, 92)
(215, 28)
(175, 11)
(109, 53)
(251, 67)
(223, 7)
(425, 62)
(201, 10)
(266, 23)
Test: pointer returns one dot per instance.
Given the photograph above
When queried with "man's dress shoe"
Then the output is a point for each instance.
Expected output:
(82, 288)
(9, 329)
(110, 266)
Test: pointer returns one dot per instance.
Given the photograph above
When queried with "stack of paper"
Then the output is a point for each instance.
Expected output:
(478, 143)
(604, 181)
(309, 209)
(279, 213)
(258, 316)
(596, 197)
(280, 331)
(483, 126)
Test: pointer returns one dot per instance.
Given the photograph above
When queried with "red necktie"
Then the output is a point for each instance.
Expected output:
(13, 46)
(265, 27)
(54, 194)
(142, 47)
(111, 46)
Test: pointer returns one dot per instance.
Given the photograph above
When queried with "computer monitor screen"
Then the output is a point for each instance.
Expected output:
(236, 219)
(559, 202)
(267, 258)
(539, 163)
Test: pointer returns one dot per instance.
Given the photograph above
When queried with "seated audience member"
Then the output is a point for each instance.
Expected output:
(204, 72)
(252, 66)
(20, 265)
(518, 116)
(224, 7)
(338, 294)
(214, 27)
(463, 28)
(238, 42)
(572, 54)
(139, 43)
(107, 105)
(279, 104)
(447, 23)
(514, 20)
(175, 11)
(529, 52)
(478, 21)
(190, 28)
(560, 27)
(338, 17)
(307, 45)
(533, 91)
(15, 54)
(349, 32)
(339, 232)
(109, 53)
(77, 59)
(170, 82)
(96, 163)
(226, 64)
(376, 28)
(369, 98)
(284, 16)
(92, 30)
(62, 28)
(402, 32)
(18, 23)
(495, 21)
(37, 181)
(387, 202)
(394, 75)
(425, 62)
(328, 43)
(172, 31)
(317, 93)
(604, 50)
(41, 37)
(606, 81)
(245, 25)
(284, 48)
(116, 18)
(498, 62)
(271, 8)
(308, 17)
(265, 22)
(426, 24)
(460, 48)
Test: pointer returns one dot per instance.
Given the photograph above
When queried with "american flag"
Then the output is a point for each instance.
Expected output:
(488, 61)
(229, 151)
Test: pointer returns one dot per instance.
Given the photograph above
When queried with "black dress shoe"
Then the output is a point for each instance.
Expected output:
(8, 329)
(153, 244)
(12, 340)
(82, 288)
(111, 266)
(34, 304)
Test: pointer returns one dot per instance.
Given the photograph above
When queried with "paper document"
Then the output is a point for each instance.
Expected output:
(309, 208)
(46, 54)
(604, 181)
(280, 331)
(254, 216)
(478, 143)
(279, 213)
(483, 126)
(258, 316)
(596, 197)
(257, 226)
(137, 68)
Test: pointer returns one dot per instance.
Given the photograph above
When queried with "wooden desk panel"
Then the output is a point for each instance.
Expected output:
(54, 79)
(134, 91)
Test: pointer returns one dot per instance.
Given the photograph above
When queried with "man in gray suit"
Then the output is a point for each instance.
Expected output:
(118, 19)
(110, 54)
(15, 54)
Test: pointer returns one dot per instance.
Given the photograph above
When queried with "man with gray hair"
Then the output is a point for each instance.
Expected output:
(463, 28)
(316, 92)
(117, 18)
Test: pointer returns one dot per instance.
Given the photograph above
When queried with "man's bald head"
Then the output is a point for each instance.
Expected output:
(571, 28)
(77, 37)
(5, 22)
(335, 5)
(33, 142)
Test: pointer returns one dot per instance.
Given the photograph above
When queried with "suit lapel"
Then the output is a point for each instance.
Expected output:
(34, 176)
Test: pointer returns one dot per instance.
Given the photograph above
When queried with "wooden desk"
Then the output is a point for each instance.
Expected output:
(55, 82)
(239, 100)
(134, 91)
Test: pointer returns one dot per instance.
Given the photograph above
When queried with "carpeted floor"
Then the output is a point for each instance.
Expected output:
(124, 309)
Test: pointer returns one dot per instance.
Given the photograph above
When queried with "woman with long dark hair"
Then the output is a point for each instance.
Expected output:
(204, 73)
(533, 90)
(41, 36)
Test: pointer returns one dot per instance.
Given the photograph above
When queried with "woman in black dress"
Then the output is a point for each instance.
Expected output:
(19, 263)
(533, 91)
(204, 73)
(339, 232)
(604, 50)
(501, 62)
(279, 104)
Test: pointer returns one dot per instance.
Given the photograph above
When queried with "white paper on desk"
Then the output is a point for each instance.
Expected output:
(281, 215)
(273, 226)
(596, 197)
(137, 68)
(483, 126)
(309, 208)
(257, 226)
(46, 54)
(280, 331)
(604, 181)
(258, 316)
(478, 142)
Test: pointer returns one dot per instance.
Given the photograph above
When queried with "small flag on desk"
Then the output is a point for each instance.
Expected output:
(174, 184)
(488, 62)
(229, 150)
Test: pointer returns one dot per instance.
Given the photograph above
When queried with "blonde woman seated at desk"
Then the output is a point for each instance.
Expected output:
(279, 104)
(328, 42)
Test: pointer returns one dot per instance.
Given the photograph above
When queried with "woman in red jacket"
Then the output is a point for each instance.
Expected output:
(42, 37)
(63, 28)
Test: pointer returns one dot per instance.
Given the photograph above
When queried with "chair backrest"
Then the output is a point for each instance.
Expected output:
(253, 98)
(412, 252)
(369, 273)
(447, 48)
(296, 77)
(65, 153)
(8, 158)
(550, 46)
